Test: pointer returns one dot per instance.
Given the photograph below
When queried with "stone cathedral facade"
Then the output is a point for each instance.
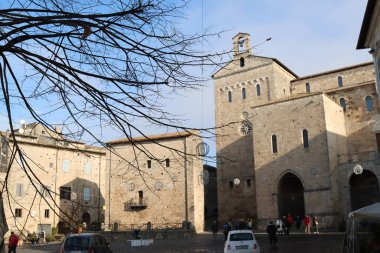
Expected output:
(289, 144)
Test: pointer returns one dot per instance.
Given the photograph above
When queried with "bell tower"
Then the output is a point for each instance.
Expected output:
(242, 45)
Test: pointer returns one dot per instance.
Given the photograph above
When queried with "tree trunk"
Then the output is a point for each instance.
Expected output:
(3, 225)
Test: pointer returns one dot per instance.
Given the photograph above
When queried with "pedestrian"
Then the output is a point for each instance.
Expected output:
(279, 225)
(43, 236)
(136, 231)
(315, 225)
(286, 225)
(307, 224)
(298, 222)
(13, 242)
(250, 224)
(241, 224)
(214, 228)
(226, 229)
(272, 233)
(290, 222)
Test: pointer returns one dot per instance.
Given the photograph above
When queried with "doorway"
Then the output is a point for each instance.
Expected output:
(290, 196)
(86, 218)
(364, 189)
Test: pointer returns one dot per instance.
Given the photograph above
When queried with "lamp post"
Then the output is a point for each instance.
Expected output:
(358, 169)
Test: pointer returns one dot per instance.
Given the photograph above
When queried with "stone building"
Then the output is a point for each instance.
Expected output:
(288, 144)
(67, 173)
(370, 35)
(155, 182)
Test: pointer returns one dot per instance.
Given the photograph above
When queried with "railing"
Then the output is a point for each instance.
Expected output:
(132, 204)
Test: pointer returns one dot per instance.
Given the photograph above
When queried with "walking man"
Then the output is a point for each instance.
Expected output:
(214, 228)
(13, 241)
(298, 222)
(226, 230)
(272, 233)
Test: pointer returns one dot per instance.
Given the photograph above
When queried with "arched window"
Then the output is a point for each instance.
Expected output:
(307, 87)
(340, 81)
(241, 62)
(243, 93)
(369, 102)
(305, 137)
(274, 144)
(342, 102)
(258, 92)
(229, 96)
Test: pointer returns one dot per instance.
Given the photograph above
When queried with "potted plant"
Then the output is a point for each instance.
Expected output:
(32, 237)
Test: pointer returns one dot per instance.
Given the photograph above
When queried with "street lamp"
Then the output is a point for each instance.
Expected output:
(358, 169)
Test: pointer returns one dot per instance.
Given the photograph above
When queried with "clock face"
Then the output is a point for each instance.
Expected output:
(245, 128)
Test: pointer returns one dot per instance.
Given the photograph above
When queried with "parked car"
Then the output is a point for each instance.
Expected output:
(85, 243)
(241, 241)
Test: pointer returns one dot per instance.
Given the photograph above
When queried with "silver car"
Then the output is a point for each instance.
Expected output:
(85, 243)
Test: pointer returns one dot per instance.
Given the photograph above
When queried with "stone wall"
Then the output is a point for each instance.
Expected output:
(162, 188)
(45, 166)
(329, 80)
(310, 165)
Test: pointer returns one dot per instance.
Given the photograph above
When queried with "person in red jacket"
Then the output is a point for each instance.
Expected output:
(307, 224)
(13, 241)
(290, 222)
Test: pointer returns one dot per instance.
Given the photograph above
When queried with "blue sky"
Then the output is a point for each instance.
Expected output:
(308, 36)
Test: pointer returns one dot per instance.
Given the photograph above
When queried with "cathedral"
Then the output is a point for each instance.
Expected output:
(294, 145)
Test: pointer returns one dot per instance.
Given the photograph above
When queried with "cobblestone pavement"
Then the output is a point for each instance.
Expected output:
(204, 243)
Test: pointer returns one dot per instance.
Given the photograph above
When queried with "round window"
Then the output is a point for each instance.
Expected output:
(245, 128)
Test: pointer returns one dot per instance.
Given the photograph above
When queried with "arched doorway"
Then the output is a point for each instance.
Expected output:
(364, 189)
(86, 218)
(61, 227)
(290, 196)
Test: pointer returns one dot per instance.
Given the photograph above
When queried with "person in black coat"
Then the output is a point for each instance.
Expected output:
(272, 233)
(214, 228)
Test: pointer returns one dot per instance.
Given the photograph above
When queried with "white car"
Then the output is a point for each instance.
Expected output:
(241, 241)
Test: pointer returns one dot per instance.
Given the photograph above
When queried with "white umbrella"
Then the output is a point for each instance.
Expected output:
(371, 211)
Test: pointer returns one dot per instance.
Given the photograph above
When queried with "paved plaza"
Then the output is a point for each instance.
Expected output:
(202, 243)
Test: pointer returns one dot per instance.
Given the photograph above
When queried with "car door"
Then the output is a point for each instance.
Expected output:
(100, 245)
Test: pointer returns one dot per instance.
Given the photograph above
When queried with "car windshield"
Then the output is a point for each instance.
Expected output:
(241, 237)
(77, 243)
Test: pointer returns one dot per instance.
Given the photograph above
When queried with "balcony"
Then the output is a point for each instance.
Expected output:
(135, 205)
